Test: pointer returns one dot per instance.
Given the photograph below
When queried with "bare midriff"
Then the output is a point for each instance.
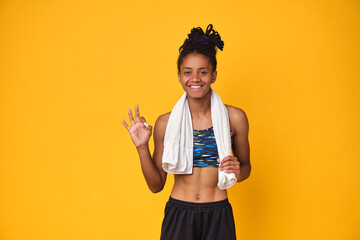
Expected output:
(200, 186)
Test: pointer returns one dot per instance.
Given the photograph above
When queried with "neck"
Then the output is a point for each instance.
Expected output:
(200, 107)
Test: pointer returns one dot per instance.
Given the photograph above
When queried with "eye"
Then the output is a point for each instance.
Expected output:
(202, 73)
(187, 73)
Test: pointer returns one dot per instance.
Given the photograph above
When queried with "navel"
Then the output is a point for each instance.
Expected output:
(197, 196)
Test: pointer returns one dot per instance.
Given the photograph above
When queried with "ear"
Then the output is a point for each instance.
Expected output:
(213, 77)
(179, 78)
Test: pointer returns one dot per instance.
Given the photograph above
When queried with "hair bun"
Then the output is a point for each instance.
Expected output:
(210, 34)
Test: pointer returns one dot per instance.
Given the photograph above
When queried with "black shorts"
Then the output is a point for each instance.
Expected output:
(198, 221)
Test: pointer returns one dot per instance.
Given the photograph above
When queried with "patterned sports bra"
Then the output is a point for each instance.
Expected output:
(205, 150)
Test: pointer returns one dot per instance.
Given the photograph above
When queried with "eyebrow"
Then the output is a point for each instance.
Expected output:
(191, 68)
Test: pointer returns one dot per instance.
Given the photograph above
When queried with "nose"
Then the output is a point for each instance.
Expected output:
(195, 78)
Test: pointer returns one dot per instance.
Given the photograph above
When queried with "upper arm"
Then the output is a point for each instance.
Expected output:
(240, 126)
(159, 134)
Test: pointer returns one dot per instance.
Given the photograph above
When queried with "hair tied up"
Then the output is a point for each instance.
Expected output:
(210, 33)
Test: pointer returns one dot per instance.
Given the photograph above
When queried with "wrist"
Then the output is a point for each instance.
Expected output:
(142, 147)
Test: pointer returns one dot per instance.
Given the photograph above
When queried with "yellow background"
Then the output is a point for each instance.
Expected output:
(70, 69)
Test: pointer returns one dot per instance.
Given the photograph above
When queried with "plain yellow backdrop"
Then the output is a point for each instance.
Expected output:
(70, 69)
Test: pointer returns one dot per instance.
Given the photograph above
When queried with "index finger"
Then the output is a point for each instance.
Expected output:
(125, 124)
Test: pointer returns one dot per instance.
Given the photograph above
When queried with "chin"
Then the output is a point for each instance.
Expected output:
(197, 95)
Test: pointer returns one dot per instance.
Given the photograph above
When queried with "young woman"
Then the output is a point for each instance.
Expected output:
(197, 207)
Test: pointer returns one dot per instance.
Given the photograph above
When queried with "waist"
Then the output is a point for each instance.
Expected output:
(196, 205)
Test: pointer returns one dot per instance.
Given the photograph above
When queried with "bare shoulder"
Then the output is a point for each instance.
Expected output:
(160, 124)
(163, 119)
(238, 119)
(236, 112)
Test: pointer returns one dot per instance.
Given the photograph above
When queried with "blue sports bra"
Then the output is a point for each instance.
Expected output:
(205, 150)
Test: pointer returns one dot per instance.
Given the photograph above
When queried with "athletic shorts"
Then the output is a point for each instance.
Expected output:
(198, 221)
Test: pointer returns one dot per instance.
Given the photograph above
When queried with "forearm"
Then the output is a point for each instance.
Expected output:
(150, 171)
(245, 170)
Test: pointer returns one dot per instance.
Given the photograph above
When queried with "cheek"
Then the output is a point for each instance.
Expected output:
(182, 82)
(185, 79)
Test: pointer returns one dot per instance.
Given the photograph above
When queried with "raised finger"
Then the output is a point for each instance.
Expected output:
(125, 124)
(137, 113)
(131, 117)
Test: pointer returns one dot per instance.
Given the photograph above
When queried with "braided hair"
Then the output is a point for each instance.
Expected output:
(201, 43)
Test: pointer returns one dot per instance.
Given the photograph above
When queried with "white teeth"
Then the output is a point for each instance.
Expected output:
(195, 86)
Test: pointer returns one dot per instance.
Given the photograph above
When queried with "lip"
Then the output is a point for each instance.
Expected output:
(198, 86)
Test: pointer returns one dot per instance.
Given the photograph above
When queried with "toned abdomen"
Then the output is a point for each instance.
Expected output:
(200, 186)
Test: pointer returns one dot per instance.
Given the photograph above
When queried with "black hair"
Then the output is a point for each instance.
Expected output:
(201, 43)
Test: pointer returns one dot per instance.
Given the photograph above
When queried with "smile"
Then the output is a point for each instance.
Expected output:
(195, 87)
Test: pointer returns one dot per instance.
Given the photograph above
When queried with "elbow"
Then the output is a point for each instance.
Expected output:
(244, 172)
(157, 186)
(156, 189)
(249, 170)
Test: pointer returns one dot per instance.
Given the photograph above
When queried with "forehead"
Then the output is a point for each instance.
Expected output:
(195, 61)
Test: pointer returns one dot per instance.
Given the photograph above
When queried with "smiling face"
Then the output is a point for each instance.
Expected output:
(196, 75)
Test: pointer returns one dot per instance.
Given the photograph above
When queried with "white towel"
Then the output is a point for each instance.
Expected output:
(178, 141)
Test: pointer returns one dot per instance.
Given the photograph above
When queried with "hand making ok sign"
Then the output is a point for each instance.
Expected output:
(140, 131)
